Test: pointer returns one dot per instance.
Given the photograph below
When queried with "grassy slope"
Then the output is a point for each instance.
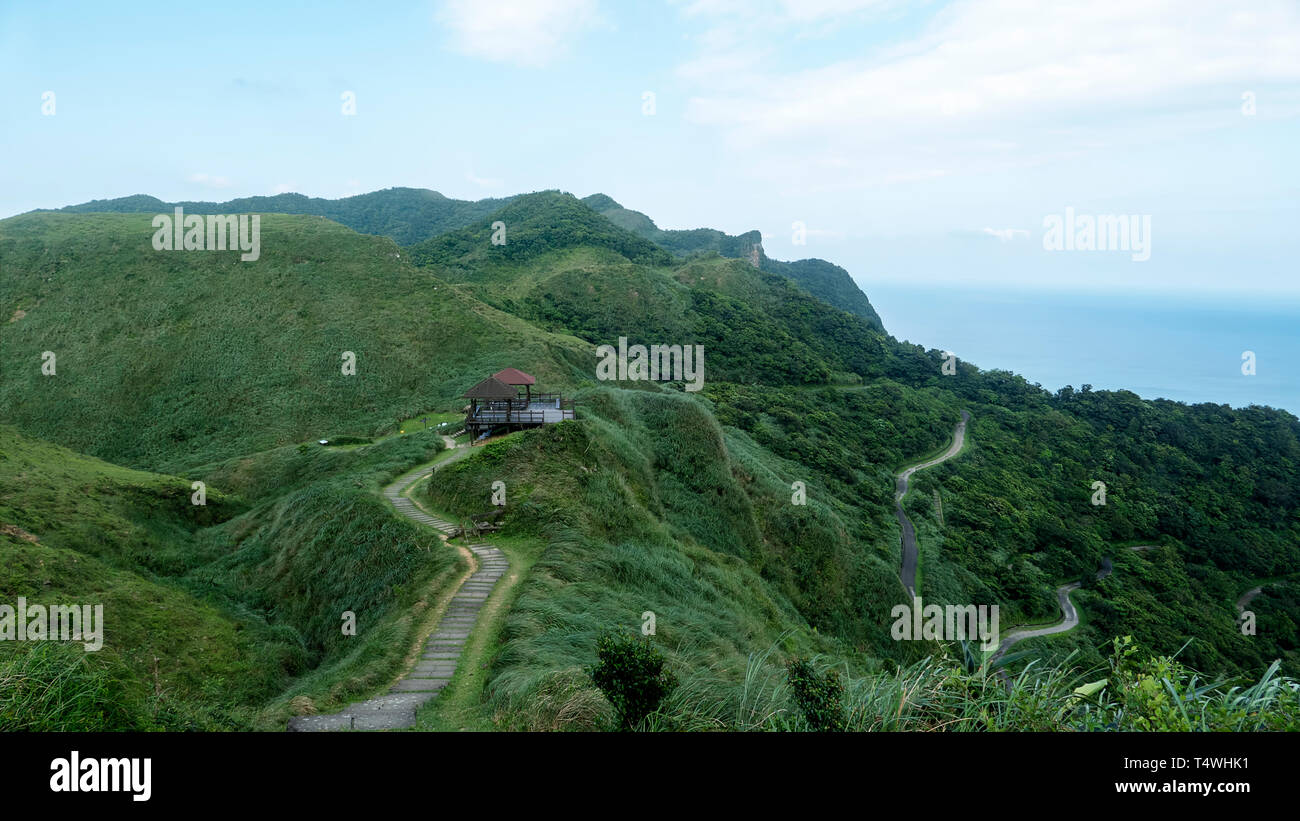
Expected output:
(649, 503)
(117, 537)
(188, 357)
(319, 540)
(534, 224)
(659, 517)
(566, 268)
(225, 615)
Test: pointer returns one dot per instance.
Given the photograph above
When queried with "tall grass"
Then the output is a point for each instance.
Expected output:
(937, 694)
(206, 357)
(52, 687)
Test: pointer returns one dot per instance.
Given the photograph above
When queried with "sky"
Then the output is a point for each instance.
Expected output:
(926, 144)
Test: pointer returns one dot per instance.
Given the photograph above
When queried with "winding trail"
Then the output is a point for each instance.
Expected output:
(908, 572)
(1244, 601)
(1070, 616)
(442, 650)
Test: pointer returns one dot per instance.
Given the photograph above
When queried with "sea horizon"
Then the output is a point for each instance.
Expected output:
(1185, 347)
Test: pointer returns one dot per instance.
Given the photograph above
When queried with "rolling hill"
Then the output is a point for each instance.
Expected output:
(185, 358)
(181, 366)
(411, 216)
(407, 215)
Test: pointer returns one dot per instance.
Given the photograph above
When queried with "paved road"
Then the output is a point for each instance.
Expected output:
(1070, 618)
(442, 650)
(908, 573)
(1244, 601)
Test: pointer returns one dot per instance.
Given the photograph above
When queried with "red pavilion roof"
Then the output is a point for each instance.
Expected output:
(514, 376)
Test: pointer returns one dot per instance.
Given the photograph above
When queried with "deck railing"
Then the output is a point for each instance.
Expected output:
(502, 417)
(518, 414)
(512, 412)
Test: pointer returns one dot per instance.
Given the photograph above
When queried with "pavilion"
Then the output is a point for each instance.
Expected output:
(498, 404)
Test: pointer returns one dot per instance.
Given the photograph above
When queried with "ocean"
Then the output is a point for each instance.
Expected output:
(1189, 349)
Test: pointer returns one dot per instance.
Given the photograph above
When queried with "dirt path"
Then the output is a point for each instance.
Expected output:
(442, 650)
(908, 572)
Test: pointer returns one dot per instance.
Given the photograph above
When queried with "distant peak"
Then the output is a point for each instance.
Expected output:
(600, 202)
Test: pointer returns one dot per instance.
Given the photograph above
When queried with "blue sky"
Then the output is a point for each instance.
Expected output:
(919, 143)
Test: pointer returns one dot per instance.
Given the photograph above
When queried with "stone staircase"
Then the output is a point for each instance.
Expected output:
(442, 650)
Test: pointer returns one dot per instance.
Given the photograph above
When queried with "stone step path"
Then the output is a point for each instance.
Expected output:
(442, 650)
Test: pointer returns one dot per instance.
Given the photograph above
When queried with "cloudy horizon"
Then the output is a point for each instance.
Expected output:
(923, 143)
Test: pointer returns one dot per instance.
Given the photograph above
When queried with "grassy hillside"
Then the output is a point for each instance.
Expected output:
(412, 216)
(641, 509)
(172, 359)
(319, 540)
(79, 531)
(657, 500)
(649, 505)
(223, 616)
(575, 272)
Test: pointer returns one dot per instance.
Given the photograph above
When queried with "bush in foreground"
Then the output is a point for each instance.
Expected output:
(820, 696)
(630, 672)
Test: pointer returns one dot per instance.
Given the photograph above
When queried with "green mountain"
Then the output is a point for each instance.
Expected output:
(826, 281)
(416, 216)
(534, 224)
(176, 367)
(215, 616)
(408, 215)
(565, 268)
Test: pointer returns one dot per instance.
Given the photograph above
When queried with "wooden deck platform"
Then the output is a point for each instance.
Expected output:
(517, 415)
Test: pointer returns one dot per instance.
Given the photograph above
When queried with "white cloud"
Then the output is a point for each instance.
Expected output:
(1006, 234)
(809, 10)
(208, 180)
(989, 84)
(524, 32)
(283, 188)
(767, 12)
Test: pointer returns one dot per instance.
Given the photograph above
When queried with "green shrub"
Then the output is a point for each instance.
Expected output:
(347, 440)
(630, 672)
(820, 696)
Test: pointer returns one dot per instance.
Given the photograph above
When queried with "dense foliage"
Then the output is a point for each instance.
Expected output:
(533, 225)
(819, 695)
(631, 674)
